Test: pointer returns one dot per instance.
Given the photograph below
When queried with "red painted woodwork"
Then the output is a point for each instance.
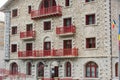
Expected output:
(46, 12)
(27, 34)
(64, 30)
(44, 53)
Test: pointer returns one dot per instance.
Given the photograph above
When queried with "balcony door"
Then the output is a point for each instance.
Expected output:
(48, 3)
(47, 48)
(29, 49)
(67, 25)
(29, 29)
(54, 69)
(67, 45)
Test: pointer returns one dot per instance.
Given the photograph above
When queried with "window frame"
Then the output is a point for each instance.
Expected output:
(88, 42)
(67, 3)
(92, 17)
(15, 12)
(29, 68)
(38, 65)
(13, 48)
(90, 66)
(116, 69)
(65, 20)
(14, 68)
(14, 30)
(87, 1)
(67, 65)
(29, 9)
(47, 25)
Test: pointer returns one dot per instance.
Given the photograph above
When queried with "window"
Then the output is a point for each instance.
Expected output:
(14, 13)
(29, 9)
(67, 2)
(29, 67)
(89, 0)
(116, 69)
(90, 19)
(14, 48)
(91, 70)
(68, 69)
(40, 69)
(14, 69)
(29, 27)
(47, 25)
(48, 3)
(67, 22)
(67, 44)
(90, 43)
(47, 45)
(14, 30)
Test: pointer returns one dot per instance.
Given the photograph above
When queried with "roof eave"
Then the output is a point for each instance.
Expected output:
(3, 8)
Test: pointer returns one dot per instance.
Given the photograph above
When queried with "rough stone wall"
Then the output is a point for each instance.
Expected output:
(77, 11)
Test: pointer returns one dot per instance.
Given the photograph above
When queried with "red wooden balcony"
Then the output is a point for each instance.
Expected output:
(27, 35)
(46, 12)
(49, 53)
(69, 30)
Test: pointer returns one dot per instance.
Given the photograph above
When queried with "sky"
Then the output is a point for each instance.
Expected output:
(2, 2)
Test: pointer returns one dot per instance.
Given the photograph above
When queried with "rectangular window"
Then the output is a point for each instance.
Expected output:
(14, 30)
(14, 13)
(90, 19)
(47, 25)
(67, 44)
(29, 27)
(67, 22)
(89, 0)
(29, 9)
(90, 43)
(67, 2)
(14, 48)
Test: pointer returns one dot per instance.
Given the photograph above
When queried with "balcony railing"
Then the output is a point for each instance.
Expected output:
(45, 12)
(57, 78)
(51, 53)
(66, 30)
(27, 35)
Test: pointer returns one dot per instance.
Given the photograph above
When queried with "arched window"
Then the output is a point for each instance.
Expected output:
(91, 70)
(40, 69)
(29, 68)
(116, 69)
(68, 69)
(47, 3)
(14, 68)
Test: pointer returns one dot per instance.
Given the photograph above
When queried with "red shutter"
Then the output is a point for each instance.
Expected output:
(93, 19)
(87, 19)
(67, 2)
(29, 68)
(29, 9)
(93, 43)
(87, 43)
(56, 71)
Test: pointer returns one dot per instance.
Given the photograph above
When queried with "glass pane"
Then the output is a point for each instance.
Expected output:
(88, 72)
(93, 71)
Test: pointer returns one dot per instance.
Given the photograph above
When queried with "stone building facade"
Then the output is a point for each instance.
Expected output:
(2, 44)
(62, 39)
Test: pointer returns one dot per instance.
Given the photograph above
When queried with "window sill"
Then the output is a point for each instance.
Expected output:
(48, 30)
(91, 25)
(91, 2)
(14, 52)
(91, 48)
(13, 34)
(15, 17)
